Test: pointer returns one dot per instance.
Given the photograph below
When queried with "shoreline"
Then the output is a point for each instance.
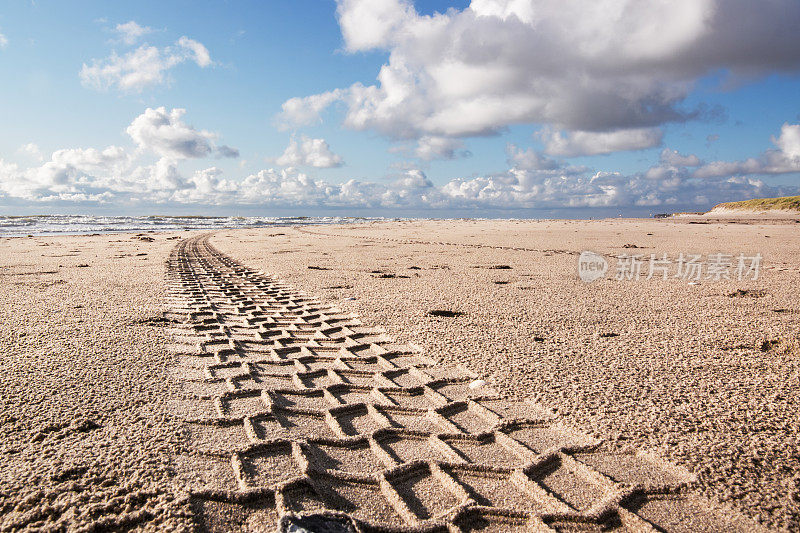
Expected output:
(711, 217)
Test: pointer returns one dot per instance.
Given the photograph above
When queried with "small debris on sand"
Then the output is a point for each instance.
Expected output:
(748, 293)
(445, 313)
(769, 345)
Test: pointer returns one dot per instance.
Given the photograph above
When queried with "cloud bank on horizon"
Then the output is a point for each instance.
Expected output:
(590, 78)
(114, 174)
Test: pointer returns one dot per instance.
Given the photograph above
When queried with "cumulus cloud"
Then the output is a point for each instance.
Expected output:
(197, 52)
(430, 148)
(3, 41)
(532, 179)
(70, 174)
(309, 152)
(130, 32)
(530, 159)
(291, 187)
(118, 174)
(164, 176)
(788, 142)
(578, 143)
(304, 111)
(675, 159)
(537, 181)
(581, 66)
(368, 24)
(106, 175)
(165, 134)
(783, 160)
(601, 189)
(143, 67)
(413, 179)
(31, 150)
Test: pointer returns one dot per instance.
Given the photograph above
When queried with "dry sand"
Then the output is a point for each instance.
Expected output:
(688, 375)
(84, 440)
(705, 379)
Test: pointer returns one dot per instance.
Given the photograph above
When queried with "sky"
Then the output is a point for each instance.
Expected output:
(488, 108)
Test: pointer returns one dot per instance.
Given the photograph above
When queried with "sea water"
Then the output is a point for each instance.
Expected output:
(16, 226)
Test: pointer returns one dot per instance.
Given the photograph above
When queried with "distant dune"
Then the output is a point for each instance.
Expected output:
(773, 206)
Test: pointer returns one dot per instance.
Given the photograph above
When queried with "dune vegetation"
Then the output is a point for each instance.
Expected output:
(784, 203)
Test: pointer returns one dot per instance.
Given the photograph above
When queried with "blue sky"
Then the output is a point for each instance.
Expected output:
(384, 107)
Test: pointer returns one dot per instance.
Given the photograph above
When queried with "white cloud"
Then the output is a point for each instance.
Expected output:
(582, 65)
(788, 142)
(784, 160)
(524, 189)
(205, 186)
(675, 159)
(103, 176)
(305, 111)
(32, 151)
(3, 41)
(287, 186)
(413, 179)
(430, 148)
(117, 174)
(199, 53)
(715, 169)
(290, 187)
(578, 143)
(533, 180)
(70, 174)
(130, 32)
(143, 67)
(165, 134)
(164, 176)
(530, 159)
(309, 152)
(132, 72)
(368, 24)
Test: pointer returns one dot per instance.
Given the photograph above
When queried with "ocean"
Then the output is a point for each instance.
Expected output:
(16, 226)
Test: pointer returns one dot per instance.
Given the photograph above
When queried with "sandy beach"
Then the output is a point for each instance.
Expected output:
(702, 374)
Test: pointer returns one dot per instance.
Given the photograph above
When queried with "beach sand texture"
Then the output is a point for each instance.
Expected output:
(294, 405)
